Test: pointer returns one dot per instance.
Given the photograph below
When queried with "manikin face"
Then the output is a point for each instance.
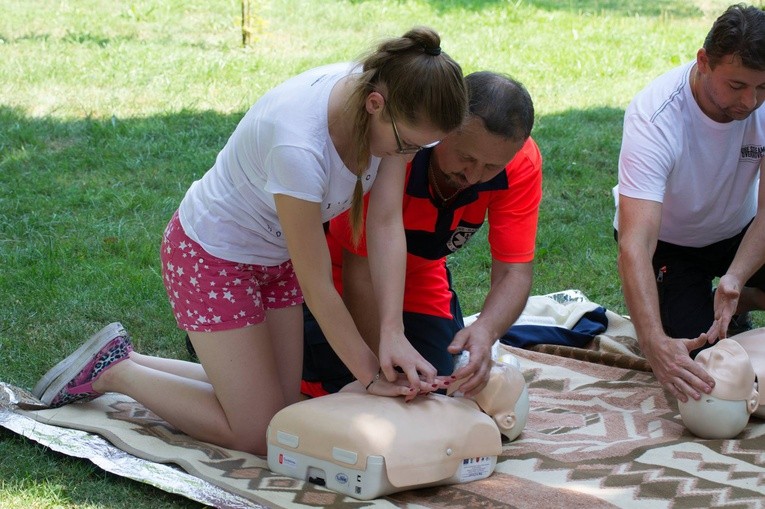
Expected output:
(471, 154)
(753, 342)
(505, 397)
(730, 91)
(725, 412)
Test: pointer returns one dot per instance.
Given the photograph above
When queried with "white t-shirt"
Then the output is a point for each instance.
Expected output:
(704, 173)
(281, 146)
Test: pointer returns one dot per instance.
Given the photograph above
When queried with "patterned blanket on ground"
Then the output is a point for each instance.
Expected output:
(598, 435)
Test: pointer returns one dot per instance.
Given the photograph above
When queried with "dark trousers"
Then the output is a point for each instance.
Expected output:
(429, 335)
(684, 277)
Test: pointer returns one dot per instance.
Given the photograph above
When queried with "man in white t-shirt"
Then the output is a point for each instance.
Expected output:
(689, 168)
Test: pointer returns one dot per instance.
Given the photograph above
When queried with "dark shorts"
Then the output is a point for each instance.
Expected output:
(430, 335)
(684, 278)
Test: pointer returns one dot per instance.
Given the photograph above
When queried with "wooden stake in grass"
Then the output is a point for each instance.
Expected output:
(247, 18)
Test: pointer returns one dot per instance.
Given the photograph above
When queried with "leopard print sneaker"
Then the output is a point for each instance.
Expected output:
(72, 379)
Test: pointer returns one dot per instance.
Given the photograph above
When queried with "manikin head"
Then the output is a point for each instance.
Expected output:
(753, 342)
(505, 398)
(723, 413)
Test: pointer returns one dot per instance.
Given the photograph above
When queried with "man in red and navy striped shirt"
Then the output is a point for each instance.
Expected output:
(488, 170)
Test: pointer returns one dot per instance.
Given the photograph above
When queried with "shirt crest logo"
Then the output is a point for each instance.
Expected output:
(460, 237)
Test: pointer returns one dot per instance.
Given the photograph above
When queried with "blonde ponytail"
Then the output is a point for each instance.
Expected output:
(423, 86)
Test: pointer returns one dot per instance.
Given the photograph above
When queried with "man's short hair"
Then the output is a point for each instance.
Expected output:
(738, 32)
(503, 103)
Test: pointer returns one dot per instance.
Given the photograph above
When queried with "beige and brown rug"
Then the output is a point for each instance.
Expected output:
(598, 435)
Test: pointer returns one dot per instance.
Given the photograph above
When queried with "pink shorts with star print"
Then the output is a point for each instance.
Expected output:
(210, 294)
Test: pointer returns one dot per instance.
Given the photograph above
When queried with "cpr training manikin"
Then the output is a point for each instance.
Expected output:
(367, 446)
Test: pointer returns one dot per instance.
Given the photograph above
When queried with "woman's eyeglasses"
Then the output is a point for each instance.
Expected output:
(406, 149)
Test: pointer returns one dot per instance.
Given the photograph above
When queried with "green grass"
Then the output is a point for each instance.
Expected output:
(109, 110)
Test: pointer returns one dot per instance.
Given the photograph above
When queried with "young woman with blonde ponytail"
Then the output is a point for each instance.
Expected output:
(246, 246)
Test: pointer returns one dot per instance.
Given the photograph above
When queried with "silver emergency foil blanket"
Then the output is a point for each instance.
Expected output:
(81, 444)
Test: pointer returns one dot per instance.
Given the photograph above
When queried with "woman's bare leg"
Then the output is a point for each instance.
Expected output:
(186, 369)
(242, 368)
(286, 332)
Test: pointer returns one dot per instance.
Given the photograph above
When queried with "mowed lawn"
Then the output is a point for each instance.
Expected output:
(109, 110)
